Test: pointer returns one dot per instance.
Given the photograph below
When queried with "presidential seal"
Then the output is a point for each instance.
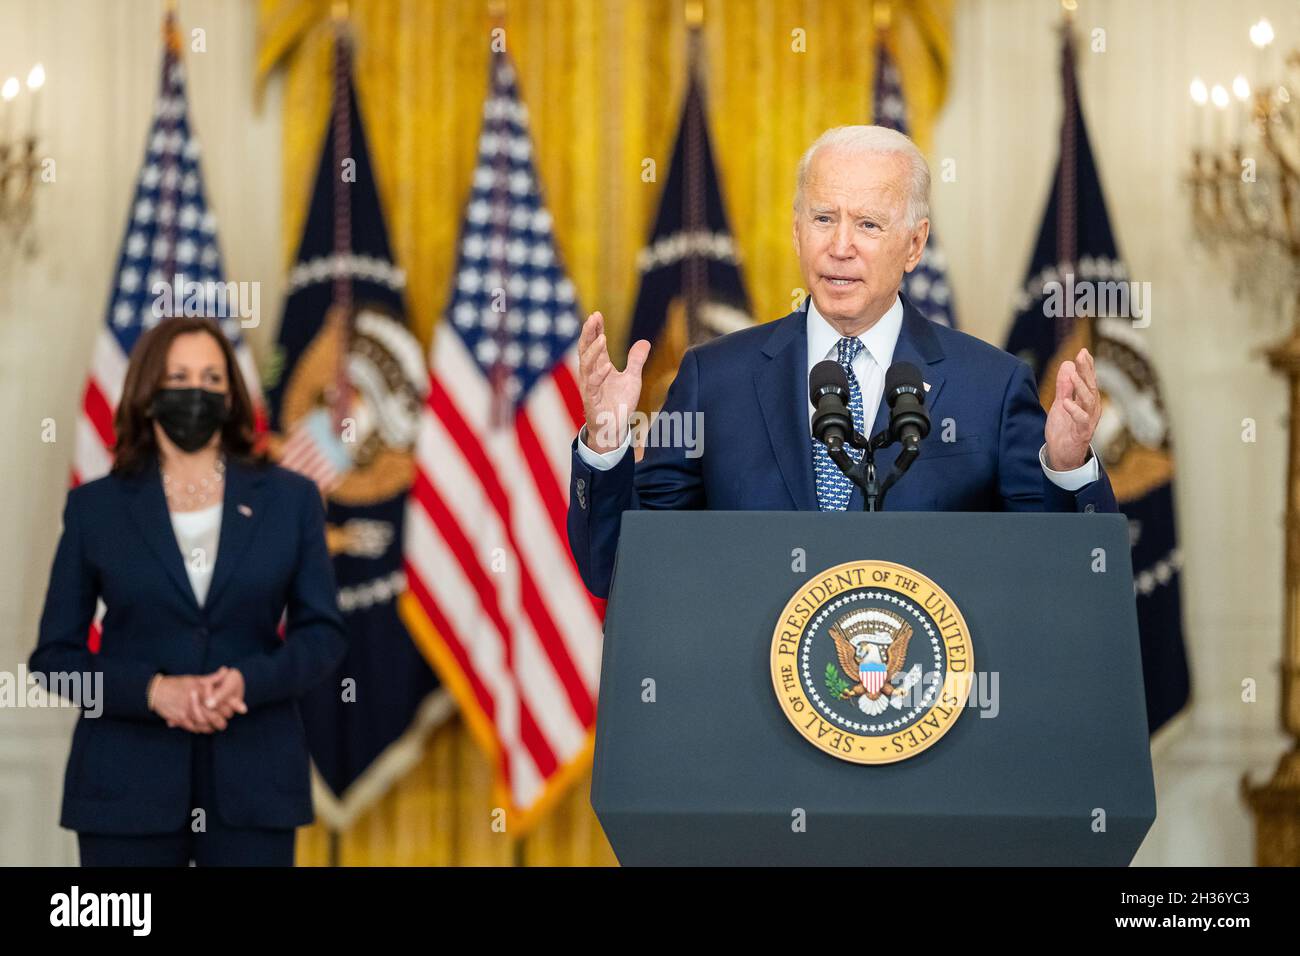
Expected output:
(871, 662)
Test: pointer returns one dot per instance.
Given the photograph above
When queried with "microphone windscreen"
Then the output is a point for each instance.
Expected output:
(903, 376)
(828, 373)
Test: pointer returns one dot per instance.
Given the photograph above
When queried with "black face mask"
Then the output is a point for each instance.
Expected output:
(189, 416)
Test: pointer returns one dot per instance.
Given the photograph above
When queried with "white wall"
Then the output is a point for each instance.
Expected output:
(102, 58)
(1001, 124)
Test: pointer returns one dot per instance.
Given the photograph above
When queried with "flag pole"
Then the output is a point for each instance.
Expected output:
(170, 162)
(340, 311)
(341, 303)
(502, 412)
(1067, 213)
(882, 15)
(695, 271)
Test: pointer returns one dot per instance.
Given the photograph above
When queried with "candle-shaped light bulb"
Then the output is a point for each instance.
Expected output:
(1200, 94)
(1219, 97)
(35, 80)
(1261, 33)
(1241, 90)
(7, 93)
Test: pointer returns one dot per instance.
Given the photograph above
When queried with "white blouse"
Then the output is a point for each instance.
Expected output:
(197, 533)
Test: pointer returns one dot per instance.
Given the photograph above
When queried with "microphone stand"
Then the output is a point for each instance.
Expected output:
(863, 473)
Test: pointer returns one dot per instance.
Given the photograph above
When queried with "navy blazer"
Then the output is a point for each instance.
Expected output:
(128, 772)
(751, 388)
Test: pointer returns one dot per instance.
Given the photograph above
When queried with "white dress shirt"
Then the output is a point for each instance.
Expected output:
(197, 533)
(869, 367)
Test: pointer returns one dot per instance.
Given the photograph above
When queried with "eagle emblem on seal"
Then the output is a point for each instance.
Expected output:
(871, 645)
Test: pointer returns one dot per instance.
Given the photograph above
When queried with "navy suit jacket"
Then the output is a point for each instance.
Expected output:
(128, 772)
(751, 387)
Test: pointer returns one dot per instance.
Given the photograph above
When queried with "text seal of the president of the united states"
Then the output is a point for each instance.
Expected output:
(871, 662)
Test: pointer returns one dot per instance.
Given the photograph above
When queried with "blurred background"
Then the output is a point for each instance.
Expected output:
(605, 85)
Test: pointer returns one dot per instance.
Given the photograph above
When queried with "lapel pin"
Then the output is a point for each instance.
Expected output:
(246, 511)
(927, 385)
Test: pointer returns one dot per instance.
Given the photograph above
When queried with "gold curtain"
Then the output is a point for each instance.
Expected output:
(603, 81)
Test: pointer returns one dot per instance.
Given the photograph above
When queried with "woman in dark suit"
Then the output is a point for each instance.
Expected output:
(190, 745)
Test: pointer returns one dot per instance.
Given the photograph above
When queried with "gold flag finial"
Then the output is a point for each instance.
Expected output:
(694, 14)
(171, 31)
(882, 12)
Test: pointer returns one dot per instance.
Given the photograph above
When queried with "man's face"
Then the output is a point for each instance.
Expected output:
(851, 234)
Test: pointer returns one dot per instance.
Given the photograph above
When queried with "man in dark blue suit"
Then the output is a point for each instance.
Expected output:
(860, 222)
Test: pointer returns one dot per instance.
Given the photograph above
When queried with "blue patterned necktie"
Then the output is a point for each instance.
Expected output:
(833, 486)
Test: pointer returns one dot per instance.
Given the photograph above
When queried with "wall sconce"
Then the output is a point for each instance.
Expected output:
(19, 165)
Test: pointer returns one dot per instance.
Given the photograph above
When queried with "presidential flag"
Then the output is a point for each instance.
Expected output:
(169, 264)
(350, 382)
(1077, 294)
(926, 286)
(495, 598)
(691, 284)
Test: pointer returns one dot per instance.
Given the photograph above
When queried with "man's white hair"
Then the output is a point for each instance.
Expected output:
(874, 139)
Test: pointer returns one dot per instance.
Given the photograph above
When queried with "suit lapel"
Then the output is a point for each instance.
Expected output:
(148, 509)
(918, 345)
(782, 387)
(242, 508)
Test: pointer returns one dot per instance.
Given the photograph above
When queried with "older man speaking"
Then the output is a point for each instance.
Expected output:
(861, 221)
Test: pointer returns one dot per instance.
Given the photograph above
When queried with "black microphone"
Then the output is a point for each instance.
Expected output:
(828, 389)
(909, 422)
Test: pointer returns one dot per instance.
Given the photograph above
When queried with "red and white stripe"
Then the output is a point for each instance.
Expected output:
(303, 455)
(487, 558)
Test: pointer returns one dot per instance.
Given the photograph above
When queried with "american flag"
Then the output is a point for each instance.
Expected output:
(926, 286)
(495, 598)
(170, 232)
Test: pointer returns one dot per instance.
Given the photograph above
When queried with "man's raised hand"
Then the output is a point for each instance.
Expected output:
(1073, 417)
(608, 395)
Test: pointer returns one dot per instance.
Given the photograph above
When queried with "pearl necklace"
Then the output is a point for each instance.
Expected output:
(196, 495)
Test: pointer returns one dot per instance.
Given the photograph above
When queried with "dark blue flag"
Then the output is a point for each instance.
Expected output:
(691, 286)
(1077, 294)
(348, 384)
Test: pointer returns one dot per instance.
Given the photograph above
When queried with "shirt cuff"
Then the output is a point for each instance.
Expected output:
(596, 460)
(1071, 480)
